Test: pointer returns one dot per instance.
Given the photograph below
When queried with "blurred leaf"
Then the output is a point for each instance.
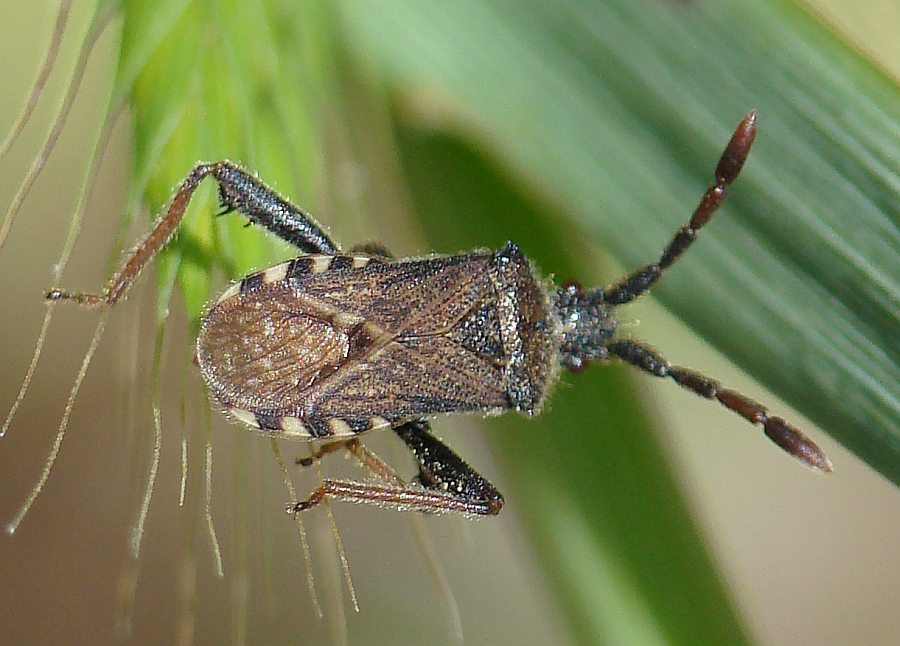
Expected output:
(616, 111)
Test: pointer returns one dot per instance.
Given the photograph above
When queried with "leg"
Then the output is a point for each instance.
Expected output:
(445, 482)
(238, 191)
(368, 459)
(322, 452)
(778, 430)
(727, 170)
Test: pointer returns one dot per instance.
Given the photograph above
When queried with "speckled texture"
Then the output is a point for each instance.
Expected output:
(327, 338)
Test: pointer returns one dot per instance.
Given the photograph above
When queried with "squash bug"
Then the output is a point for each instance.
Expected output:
(332, 345)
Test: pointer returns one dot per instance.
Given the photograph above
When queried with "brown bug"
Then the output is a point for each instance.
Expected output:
(331, 345)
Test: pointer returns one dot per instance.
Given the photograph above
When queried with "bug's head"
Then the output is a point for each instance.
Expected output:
(587, 324)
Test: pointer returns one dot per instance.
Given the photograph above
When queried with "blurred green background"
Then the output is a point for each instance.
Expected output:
(586, 133)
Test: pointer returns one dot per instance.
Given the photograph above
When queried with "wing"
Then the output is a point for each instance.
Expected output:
(326, 338)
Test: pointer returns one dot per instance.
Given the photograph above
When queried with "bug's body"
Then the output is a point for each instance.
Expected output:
(332, 346)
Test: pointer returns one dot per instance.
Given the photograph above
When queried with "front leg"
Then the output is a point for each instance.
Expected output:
(242, 192)
(239, 191)
(445, 482)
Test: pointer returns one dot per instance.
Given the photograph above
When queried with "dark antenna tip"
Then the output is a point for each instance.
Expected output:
(732, 160)
(797, 444)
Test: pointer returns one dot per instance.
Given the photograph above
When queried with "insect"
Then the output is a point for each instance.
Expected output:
(333, 344)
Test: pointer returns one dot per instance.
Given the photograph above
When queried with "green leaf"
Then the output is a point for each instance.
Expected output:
(615, 111)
